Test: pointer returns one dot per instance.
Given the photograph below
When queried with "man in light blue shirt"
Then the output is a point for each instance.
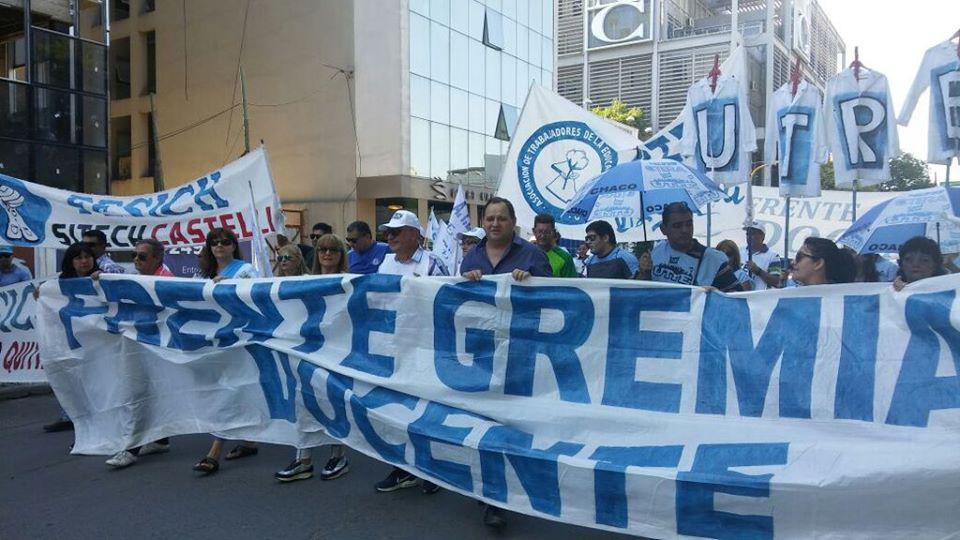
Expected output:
(11, 273)
(608, 260)
(366, 254)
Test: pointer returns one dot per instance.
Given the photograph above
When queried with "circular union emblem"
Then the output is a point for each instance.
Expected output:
(556, 161)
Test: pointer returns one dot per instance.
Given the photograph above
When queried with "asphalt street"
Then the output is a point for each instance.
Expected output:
(47, 493)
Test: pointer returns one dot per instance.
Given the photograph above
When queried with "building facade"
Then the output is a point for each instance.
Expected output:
(365, 106)
(647, 53)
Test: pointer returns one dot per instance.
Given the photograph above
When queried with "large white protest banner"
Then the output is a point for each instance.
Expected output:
(19, 342)
(652, 409)
(39, 216)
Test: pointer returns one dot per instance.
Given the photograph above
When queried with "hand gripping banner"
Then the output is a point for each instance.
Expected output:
(656, 410)
(33, 215)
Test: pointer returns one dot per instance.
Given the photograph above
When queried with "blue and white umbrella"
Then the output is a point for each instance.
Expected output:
(642, 187)
(886, 226)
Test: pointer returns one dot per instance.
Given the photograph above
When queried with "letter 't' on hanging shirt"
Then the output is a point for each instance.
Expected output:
(797, 139)
(940, 70)
(861, 127)
(718, 132)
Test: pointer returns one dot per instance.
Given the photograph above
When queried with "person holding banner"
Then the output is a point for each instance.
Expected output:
(681, 259)
(503, 251)
(920, 258)
(220, 259)
(366, 254)
(820, 262)
(96, 240)
(405, 236)
(78, 262)
(545, 232)
(11, 273)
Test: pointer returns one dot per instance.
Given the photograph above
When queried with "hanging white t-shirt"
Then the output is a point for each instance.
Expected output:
(795, 132)
(940, 70)
(767, 260)
(861, 127)
(718, 132)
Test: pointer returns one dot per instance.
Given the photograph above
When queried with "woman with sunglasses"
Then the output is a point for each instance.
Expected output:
(920, 258)
(819, 262)
(78, 262)
(330, 258)
(220, 259)
(290, 261)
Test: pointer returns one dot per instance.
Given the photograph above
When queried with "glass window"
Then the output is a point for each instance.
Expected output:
(459, 149)
(120, 69)
(14, 110)
(493, 75)
(523, 82)
(419, 147)
(509, 37)
(535, 49)
(477, 16)
(547, 29)
(439, 102)
(440, 11)
(476, 113)
(535, 76)
(546, 55)
(57, 166)
(419, 45)
(94, 121)
(439, 150)
(522, 12)
(420, 6)
(150, 44)
(493, 30)
(477, 67)
(419, 96)
(460, 16)
(95, 171)
(523, 46)
(495, 4)
(54, 116)
(508, 72)
(94, 68)
(15, 159)
(149, 5)
(459, 60)
(439, 52)
(51, 63)
(535, 19)
(120, 148)
(546, 78)
(459, 109)
(477, 149)
(492, 159)
(120, 10)
(509, 8)
(491, 114)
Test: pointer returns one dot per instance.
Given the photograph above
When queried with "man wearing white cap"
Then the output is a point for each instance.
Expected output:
(763, 264)
(470, 239)
(404, 235)
(11, 273)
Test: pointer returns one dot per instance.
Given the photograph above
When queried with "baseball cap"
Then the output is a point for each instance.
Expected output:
(401, 219)
(476, 232)
(753, 225)
(6, 249)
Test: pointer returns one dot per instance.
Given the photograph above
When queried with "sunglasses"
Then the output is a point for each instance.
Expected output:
(284, 258)
(328, 250)
(141, 256)
(315, 236)
(91, 245)
(590, 237)
(801, 256)
(224, 242)
(352, 241)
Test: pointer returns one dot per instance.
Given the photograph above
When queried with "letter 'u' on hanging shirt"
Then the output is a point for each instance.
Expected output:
(796, 138)
(940, 70)
(861, 127)
(718, 132)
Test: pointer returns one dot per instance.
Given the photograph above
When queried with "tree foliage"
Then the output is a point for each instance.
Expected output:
(618, 111)
(906, 173)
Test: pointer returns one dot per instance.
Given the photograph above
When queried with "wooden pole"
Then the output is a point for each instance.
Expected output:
(246, 114)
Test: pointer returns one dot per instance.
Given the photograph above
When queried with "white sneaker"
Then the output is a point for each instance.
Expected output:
(122, 459)
(154, 448)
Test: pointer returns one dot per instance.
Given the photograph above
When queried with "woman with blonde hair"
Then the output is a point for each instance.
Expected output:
(290, 262)
(732, 251)
(330, 255)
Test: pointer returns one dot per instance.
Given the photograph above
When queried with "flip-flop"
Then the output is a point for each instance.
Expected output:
(242, 451)
(207, 466)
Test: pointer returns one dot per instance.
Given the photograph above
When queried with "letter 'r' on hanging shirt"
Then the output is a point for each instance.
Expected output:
(861, 127)
(940, 70)
(796, 139)
(718, 132)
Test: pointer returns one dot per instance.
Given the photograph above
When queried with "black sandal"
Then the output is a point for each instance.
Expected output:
(242, 451)
(207, 466)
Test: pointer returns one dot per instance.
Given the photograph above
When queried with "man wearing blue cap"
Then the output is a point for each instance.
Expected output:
(11, 273)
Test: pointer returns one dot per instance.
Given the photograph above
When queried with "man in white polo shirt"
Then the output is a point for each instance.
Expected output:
(405, 235)
(763, 264)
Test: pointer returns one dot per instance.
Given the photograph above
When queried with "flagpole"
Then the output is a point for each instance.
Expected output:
(643, 216)
(854, 199)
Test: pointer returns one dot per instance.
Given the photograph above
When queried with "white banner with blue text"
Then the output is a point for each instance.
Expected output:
(33, 215)
(656, 410)
(19, 342)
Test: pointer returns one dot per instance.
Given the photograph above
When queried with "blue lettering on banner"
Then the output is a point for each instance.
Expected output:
(861, 123)
(13, 302)
(171, 293)
(75, 289)
(205, 190)
(856, 376)
(795, 124)
(480, 343)
(610, 479)
(259, 325)
(374, 399)
(201, 192)
(336, 396)
(791, 333)
(918, 389)
(711, 474)
(536, 469)
(527, 341)
(282, 405)
(627, 343)
(313, 293)
(366, 320)
(429, 429)
(135, 305)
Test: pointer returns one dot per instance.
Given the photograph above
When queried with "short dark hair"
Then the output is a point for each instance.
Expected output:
(545, 218)
(924, 245)
(679, 207)
(361, 227)
(501, 200)
(100, 235)
(74, 251)
(156, 247)
(324, 228)
(840, 265)
(602, 228)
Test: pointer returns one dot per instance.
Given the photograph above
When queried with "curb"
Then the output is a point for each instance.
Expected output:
(17, 391)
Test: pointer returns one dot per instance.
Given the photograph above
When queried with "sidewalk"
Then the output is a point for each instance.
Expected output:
(21, 390)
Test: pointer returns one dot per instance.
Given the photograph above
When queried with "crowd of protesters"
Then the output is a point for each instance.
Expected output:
(496, 248)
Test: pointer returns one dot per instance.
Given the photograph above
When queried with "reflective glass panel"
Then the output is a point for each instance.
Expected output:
(14, 110)
(419, 96)
(15, 159)
(508, 72)
(94, 68)
(419, 147)
(459, 149)
(459, 109)
(460, 16)
(419, 45)
(477, 149)
(476, 113)
(57, 166)
(95, 172)
(51, 61)
(477, 67)
(439, 150)
(439, 102)
(535, 48)
(94, 121)
(54, 116)
(439, 53)
(459, 60)
(440, 11)
(493, 74)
